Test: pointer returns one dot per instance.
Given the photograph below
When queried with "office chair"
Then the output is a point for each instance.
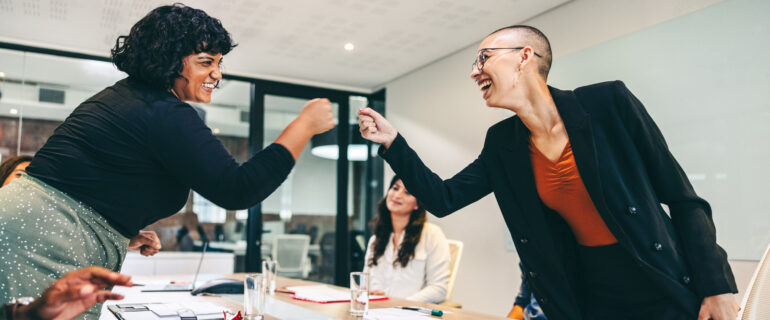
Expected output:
(290, 255)
(455, 253)
(756, 301)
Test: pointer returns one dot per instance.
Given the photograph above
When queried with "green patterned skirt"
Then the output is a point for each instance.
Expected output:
(45, 234)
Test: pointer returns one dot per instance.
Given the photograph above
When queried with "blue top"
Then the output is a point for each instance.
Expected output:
(132, 153)
(526, 299)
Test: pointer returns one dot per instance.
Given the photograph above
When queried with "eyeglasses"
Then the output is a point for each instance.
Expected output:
(482, 58)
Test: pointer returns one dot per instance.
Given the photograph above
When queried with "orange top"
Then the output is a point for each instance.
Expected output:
(561, 189)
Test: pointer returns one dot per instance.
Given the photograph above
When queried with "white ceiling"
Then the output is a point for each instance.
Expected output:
(298, 41)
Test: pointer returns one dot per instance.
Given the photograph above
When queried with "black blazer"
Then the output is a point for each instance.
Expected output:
(628, 171)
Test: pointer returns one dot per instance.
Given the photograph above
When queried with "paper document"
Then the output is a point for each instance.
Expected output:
(167, 311)
(172, 309)
(324, 294)
(394, 314)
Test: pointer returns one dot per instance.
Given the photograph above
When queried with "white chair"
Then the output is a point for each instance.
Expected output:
(455, 253)
(290, 255)
(270, 230)
(756, 301)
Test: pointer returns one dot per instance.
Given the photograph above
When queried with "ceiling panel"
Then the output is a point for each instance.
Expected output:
(296, 40)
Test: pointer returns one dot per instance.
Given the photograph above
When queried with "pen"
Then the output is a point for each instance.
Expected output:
(432, 312)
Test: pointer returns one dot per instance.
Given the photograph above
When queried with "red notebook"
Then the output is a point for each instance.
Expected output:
(323, 294)
(373, 298)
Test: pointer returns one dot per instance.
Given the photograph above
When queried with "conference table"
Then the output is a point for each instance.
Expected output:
(279, 306)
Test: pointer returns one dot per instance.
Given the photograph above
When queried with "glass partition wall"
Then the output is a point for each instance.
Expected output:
(334, 185)
(304, 209)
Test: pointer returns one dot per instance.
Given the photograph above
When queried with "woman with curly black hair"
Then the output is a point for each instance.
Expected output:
(129, 155)
(406, 257)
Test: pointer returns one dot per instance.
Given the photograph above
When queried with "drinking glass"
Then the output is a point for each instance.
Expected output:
(268, 269)
(254, 293)
(359, 293)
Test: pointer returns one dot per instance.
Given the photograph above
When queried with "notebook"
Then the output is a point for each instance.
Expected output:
(324, 294)
(168, 311)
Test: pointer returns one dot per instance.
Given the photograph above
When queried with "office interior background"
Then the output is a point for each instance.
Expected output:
(699, 66)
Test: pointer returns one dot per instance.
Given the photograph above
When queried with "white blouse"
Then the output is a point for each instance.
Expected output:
(425, 277)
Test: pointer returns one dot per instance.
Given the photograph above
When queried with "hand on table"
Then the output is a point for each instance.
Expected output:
(376, 293)
(516, 313)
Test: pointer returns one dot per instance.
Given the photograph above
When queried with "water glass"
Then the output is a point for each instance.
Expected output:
(268, 269)
(254, 293)
(359, 293)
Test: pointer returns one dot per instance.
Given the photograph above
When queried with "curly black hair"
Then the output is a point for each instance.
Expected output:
(153, 50)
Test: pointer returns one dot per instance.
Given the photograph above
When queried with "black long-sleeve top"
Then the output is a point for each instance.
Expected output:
(133, 153)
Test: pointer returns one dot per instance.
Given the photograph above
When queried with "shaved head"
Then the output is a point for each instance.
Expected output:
(535, 39)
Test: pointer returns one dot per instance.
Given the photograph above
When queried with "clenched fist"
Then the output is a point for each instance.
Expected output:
(146, 242)
(317, 116)
(375, 128)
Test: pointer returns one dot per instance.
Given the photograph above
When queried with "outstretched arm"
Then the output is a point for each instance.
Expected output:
(188, 150)
(375, 128)
(316, 117)
(441, 197)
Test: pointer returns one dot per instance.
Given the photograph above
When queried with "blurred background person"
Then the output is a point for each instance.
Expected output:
(13, 167)
(407, 257)
(525, 307)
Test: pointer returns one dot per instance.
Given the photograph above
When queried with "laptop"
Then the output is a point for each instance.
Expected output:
(180, 287)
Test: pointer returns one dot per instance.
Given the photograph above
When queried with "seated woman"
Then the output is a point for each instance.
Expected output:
(406, 257)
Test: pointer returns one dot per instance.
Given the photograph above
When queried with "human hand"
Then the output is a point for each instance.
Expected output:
(75, 293)
(516, 313)
(317, 116)
(146, 242)
(719, 307)
(376, 293)
(375, 128)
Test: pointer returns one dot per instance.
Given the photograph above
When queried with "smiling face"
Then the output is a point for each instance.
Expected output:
(199, 77)
(399, 201)
(501, 76)
(21, 167)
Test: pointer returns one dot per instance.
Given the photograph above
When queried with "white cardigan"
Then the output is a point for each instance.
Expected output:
(425, 277)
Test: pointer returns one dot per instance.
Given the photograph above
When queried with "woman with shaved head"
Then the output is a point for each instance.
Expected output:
(580, 176)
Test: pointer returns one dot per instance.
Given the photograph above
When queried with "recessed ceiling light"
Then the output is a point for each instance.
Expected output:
(349, 46)
(215, 131)
(14, 111)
